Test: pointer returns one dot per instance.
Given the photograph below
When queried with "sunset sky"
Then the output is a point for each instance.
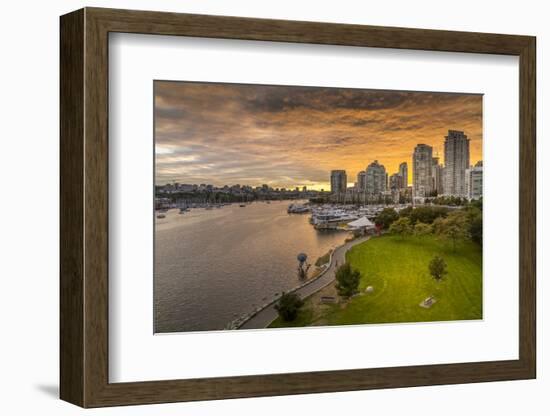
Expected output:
(224, 134)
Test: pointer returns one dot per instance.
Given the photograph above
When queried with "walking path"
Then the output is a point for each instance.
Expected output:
(263, 317)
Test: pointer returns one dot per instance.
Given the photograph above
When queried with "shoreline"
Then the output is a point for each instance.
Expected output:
(241, 322)
(267, 313)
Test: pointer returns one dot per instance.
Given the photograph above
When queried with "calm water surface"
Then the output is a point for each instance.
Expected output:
(214, 265)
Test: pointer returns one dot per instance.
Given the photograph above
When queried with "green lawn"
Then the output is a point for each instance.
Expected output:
(397, 268)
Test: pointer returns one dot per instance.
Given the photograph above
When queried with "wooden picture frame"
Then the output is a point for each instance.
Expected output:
(84, 207)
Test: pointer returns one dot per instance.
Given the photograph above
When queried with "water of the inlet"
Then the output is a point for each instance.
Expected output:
(212, 266)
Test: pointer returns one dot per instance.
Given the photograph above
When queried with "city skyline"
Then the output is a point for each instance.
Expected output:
(291, 137)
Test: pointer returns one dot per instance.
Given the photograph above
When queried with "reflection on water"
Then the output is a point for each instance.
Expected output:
(214, 265)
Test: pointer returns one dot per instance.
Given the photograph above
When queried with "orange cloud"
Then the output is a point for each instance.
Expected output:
(293, 136)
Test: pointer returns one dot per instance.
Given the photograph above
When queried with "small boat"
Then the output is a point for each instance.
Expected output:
(242, 205)
(160, 216)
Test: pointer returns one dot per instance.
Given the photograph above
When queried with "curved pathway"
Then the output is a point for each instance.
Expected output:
(268, 314)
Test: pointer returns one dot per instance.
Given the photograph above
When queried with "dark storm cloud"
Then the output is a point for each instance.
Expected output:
(275, 99)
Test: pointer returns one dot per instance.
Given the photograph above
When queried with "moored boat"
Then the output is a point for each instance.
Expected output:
(297, 209)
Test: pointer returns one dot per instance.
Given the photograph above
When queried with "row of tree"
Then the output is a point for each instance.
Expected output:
(454, 225)
(448, 200)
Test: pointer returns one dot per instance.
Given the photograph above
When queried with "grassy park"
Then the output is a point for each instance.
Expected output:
(396, 266)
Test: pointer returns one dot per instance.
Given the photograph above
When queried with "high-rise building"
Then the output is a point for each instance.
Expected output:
(437, 176)
(474, 181)
(376, 178)
(422, 171)
(457, 160)
(404, 172)
(361, 181)
(338, 181)
(396, 182)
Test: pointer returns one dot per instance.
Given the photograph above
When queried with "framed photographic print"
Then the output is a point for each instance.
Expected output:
(256, 207)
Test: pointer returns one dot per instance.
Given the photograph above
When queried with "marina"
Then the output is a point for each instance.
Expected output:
(334, 216)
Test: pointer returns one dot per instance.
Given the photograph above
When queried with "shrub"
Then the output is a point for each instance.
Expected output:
(401, 227)
(427, 215)
(422, 229)
(288, 306)
(323, 259)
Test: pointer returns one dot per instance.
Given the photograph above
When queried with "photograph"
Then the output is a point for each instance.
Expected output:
(279, 206)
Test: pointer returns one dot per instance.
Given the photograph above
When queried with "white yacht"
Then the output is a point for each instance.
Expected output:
(297, 209)
(331, 218)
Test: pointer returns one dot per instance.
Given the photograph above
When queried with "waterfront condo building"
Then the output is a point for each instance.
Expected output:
(338, 181)
(437, 176)
(404, 173)
(457, 160)
(422, 171)
(361, 181)
(376, 179)
(396, 182)
(474, 181)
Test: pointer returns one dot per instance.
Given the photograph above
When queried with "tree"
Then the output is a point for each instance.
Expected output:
(477, 203)
(476, 229)
(475, 223)
(438, 268)
(402, 227)
(386, 217)
(422, 229)
(449, 200)
(288, 306)
(406, 212)
(453, 227)
(427, 214)
(347, 280)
